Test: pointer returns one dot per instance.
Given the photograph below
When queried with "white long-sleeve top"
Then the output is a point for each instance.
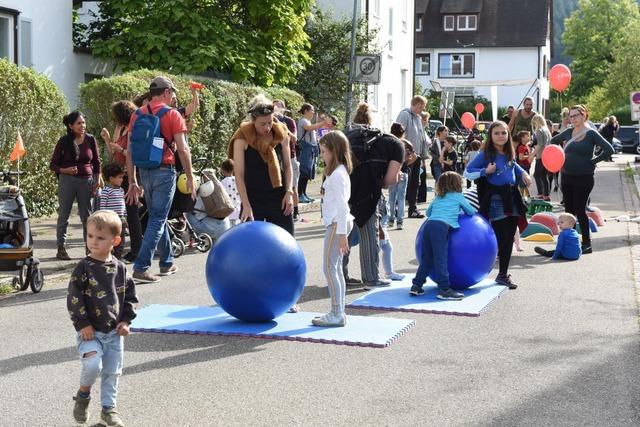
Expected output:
(335, 202)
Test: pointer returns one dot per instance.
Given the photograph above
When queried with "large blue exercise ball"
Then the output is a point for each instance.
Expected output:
(472, 251)
(256, 271)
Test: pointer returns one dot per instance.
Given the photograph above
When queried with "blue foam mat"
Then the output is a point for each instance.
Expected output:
(397, 298)
(180, 319)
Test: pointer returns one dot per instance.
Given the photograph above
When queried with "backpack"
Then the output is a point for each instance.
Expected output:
(147, 143)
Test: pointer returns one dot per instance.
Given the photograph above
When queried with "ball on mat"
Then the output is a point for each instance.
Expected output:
(472, 251)
(256, 271)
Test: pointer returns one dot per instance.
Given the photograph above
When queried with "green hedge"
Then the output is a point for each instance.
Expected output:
(223, 106)
(33, 104)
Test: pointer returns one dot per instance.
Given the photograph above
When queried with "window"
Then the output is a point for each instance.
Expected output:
(390, 30)
(423, 64)
(467, 23)
(7, 49)
(418, 23)
(456, 65)
(26, 57)
(449, 23)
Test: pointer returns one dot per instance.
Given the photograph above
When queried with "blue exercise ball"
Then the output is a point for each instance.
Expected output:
(256, 271)
(472, 251)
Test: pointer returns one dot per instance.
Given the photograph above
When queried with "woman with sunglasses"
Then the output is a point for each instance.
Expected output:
(497, 175)
(577, 175)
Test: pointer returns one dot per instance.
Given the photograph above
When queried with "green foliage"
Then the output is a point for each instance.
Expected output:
(324, 81)
(32, 104)
(461, 106)
(592, 34)
(223, 106)
(257, 41)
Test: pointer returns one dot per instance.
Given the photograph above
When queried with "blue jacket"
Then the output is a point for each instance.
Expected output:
(447, 208)
(568, 246)
(506, 172)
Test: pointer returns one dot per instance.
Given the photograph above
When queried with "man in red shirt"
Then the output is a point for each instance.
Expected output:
(159, 183)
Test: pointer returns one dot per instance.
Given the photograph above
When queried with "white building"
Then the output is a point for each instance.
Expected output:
(499, 49)
(38, 34)
(395, 21)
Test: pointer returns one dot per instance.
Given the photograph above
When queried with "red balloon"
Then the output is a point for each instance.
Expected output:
(553, 158)
(559, 77)
(468, 120)
(479, 108)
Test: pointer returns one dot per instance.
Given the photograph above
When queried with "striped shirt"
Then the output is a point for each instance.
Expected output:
(112, 199)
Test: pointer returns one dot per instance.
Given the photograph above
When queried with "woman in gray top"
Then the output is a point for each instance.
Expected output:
(542, 136)
(309, 150)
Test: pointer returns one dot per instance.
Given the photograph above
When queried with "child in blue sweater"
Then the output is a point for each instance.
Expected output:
(442, 215)
(568, 246)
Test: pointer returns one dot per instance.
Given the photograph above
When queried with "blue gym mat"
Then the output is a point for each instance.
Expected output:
(397, 298)
(179, 319)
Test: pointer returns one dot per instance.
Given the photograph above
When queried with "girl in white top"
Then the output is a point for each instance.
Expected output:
(334, 150)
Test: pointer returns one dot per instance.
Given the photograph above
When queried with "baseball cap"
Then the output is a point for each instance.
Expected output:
(162, 83)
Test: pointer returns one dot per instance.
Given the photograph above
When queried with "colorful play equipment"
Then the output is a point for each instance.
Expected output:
(596, 215)
(548, 219)
(593, 226)
(537, 205)
(534, 228)
(539, 237)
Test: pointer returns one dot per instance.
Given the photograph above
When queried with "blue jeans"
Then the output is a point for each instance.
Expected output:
(397, 195)
(106, 362)
(435, 248)
(437, 169)
(159, 186)
(211, 226)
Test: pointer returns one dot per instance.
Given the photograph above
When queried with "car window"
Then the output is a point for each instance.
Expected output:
(627, 132)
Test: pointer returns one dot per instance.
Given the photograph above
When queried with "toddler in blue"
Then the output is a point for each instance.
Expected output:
(442, 216)
(568, 246)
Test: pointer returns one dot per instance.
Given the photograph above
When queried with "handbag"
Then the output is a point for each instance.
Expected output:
(216, 201)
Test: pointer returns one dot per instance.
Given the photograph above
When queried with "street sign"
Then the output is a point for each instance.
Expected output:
(367, 69)
(635, 105)
(446, 103)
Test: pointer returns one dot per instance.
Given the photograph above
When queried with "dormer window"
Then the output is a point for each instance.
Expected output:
(449, 22)
(467, 22)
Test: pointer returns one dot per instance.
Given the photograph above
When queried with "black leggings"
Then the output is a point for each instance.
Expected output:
(542, 179)
(413, 184)
(302, 185)
(575, 192)
(505, 230)
(274, 215)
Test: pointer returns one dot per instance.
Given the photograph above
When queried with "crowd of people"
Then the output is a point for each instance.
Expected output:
(271, 160)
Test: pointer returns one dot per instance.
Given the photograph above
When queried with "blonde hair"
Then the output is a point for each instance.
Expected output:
(418, 99)
(106, 220)
(538, 122)
(338, 144)
(449, 182)
(567, 215)
(363, 115)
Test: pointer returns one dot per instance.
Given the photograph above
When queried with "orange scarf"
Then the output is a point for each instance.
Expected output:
(247, 132)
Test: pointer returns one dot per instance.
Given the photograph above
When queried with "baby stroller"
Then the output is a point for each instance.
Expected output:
(16, 251)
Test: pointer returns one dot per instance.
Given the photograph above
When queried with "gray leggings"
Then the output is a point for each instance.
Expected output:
(72, 188)
(332, 268)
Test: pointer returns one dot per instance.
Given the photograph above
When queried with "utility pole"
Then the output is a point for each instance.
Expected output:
(354, 28)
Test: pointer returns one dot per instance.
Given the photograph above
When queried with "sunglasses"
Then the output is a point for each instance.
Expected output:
(262, 110)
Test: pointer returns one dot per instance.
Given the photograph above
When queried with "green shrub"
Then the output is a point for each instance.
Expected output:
(31, 103)
(223, 106)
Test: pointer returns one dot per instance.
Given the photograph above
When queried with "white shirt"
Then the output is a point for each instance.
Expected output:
(335, 202)
(229, 184)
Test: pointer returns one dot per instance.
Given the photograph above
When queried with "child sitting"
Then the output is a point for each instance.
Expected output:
(229, 184)
(449, 156)
(101, 300)
(442, 215)
(568, 246)
(112, 199)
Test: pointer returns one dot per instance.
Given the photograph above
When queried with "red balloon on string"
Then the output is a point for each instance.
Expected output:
(559, 77)
(553, 158)
(479, 108)
(196, 85)
(468, 120)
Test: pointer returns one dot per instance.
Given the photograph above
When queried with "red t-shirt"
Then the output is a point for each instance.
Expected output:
(171, 123)
(123, 142)
(523, 149)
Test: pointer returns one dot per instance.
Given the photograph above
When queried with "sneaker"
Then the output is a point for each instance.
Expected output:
(540, 251)
(110, 417)
(296, 218)
(449, 295)
(547, 199)
(380, 283)
(81, 408)
(415, 214)
(505, 280)
(303, 199)
(351, 281)
(309, 199)
(330, 320)
(129, 257)
(400, 226)
(391, 223)
(145, 277)
(416, 291)
(168, 271)
(295, 308)
(62, 254)
(395, 276)
(586, 249)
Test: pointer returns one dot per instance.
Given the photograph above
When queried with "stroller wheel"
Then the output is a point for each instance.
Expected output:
(37, 279)
(22, 279)
(204, 242)
(177, 247)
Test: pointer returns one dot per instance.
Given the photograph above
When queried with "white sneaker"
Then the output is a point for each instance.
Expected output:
(395, 276)
(330, 320)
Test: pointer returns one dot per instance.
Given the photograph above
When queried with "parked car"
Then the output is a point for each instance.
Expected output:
(628, 137)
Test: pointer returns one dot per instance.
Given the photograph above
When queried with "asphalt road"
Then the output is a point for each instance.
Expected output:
(562, 349)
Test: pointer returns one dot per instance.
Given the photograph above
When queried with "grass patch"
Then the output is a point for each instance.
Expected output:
(5, 289)
(629, 171)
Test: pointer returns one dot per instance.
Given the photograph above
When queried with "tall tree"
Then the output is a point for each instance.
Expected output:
(257, 41)
(591, 34)
(324, 81)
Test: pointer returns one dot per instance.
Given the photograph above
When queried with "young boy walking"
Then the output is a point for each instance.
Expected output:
(100, 301)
